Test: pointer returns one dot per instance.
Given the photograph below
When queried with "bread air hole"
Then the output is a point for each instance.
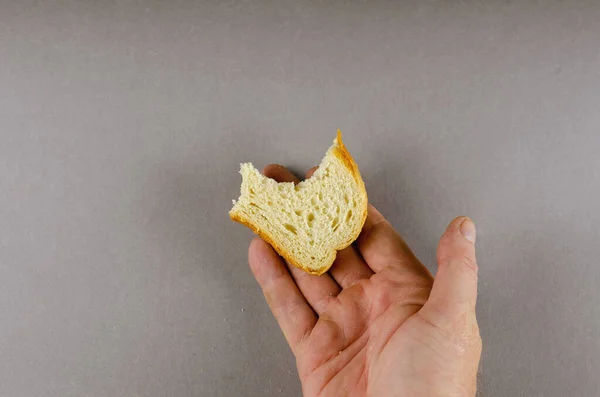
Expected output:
(335, 224)
(346, 199)
(310, 218)
(290, 228)
(298, 212)
(348, 216)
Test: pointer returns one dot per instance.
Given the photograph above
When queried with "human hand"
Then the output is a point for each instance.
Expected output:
(378, 324)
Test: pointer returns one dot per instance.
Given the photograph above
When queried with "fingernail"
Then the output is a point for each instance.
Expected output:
(467, 228)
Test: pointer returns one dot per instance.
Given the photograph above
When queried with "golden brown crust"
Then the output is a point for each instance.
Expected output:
(282, 252)
(340, 152)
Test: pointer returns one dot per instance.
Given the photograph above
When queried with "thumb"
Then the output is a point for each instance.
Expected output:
(454, 290)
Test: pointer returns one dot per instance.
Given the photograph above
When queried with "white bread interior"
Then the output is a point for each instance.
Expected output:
(309, 222)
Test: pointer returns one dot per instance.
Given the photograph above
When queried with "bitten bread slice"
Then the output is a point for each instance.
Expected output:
(309, 222)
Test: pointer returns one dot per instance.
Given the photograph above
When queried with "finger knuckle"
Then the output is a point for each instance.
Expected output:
(464, 264)
(324, 303)
(350, 279)
(469, 264)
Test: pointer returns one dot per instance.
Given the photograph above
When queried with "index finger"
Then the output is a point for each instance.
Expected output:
(382, 247)
(291, 310)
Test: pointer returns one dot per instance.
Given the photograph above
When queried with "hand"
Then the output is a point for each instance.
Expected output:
(378, 324)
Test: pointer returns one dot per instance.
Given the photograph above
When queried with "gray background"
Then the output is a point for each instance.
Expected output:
(122, 125)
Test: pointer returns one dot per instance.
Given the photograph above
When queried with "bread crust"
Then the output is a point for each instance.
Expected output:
(279, 249)
(340, 152)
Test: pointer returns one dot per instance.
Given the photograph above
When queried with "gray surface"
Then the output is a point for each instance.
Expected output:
(122, 125)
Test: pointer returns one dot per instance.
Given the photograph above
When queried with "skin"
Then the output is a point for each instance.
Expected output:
(378, 323)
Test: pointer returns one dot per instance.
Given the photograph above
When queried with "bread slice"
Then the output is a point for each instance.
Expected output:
(309, 222)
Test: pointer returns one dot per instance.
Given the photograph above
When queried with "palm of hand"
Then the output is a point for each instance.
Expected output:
(368, 322)
(376, 324)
